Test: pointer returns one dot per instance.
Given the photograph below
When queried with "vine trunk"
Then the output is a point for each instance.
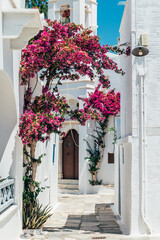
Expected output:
(34, 165)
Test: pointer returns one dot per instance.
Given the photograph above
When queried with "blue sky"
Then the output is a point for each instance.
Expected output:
(109, 19)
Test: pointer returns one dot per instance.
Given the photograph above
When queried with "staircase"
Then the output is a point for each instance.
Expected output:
(68, 186)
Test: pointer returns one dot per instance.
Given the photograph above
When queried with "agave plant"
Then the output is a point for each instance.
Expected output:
(35, 216)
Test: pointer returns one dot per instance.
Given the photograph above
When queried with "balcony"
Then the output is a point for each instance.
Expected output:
(6, 194)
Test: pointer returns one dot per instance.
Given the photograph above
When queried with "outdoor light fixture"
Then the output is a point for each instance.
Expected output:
(140, 51)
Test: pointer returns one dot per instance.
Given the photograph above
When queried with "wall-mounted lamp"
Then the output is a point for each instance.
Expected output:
(141, 50)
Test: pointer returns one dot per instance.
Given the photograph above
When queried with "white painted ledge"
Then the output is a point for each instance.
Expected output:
(7, 215)
(88, 86)
(75, 82)
(19, 25)
(125, 140)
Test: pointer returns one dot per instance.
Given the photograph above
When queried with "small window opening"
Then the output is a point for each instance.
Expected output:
(111, 158)
(65, 13)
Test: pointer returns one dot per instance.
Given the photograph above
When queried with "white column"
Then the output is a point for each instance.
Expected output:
(60, 172)
(51, 10)
(94, 18)
(79, 12)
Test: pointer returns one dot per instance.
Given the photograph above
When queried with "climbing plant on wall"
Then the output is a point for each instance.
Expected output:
(57, 53)
(103, 104)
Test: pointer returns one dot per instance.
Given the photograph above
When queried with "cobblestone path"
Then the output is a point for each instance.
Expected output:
(82, 217)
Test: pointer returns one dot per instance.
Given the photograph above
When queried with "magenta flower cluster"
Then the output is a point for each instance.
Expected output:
(65, 52)
(98, 106)
(42, 117)
(61, 52)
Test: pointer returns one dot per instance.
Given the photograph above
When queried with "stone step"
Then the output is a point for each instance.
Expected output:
(68, 191)
(68, 186)
(68, 181)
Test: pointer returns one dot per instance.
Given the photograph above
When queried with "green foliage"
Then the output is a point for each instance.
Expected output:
(2, 179)
(93, 157)
(42, 5)
(35, 216)
(93, 183)
(38, 160)
(94, 153)
(114, 133)
(28, 196)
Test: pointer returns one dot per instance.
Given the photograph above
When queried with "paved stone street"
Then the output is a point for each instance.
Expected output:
(82, 217)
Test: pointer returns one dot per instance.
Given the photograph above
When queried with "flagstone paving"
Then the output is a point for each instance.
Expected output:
(89, 213)
(83, 217)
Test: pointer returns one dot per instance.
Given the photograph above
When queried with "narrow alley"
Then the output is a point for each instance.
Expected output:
(82, 217)
(82, 214)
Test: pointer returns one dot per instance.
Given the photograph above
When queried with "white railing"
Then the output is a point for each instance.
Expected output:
(6, 194)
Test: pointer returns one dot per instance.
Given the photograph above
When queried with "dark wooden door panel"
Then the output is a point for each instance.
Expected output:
(70, 155)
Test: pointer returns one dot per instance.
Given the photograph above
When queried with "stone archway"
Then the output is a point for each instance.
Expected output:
(70, 155)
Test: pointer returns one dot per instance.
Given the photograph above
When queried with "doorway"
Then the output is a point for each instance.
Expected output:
(70, 155)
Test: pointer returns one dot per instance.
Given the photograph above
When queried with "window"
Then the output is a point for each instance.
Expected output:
(65, 13)
(111, 158)
(54, 146)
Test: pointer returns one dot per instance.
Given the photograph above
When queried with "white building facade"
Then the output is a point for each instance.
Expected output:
(17, 26)
(137, 177)
(81, 12)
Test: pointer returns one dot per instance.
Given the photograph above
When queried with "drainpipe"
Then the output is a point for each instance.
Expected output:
(142, 152)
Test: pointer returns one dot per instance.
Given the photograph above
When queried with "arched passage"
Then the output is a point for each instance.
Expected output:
(70, 155)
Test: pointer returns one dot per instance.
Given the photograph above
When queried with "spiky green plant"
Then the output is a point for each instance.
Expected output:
(35, 216)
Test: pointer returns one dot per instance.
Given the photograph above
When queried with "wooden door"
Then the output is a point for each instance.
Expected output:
(70, 155)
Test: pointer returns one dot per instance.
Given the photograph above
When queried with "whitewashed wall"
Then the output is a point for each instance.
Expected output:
(140, 17)
(107, 170)
(11, 96)
(11, 158)
(47, 173)
(124, 151)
